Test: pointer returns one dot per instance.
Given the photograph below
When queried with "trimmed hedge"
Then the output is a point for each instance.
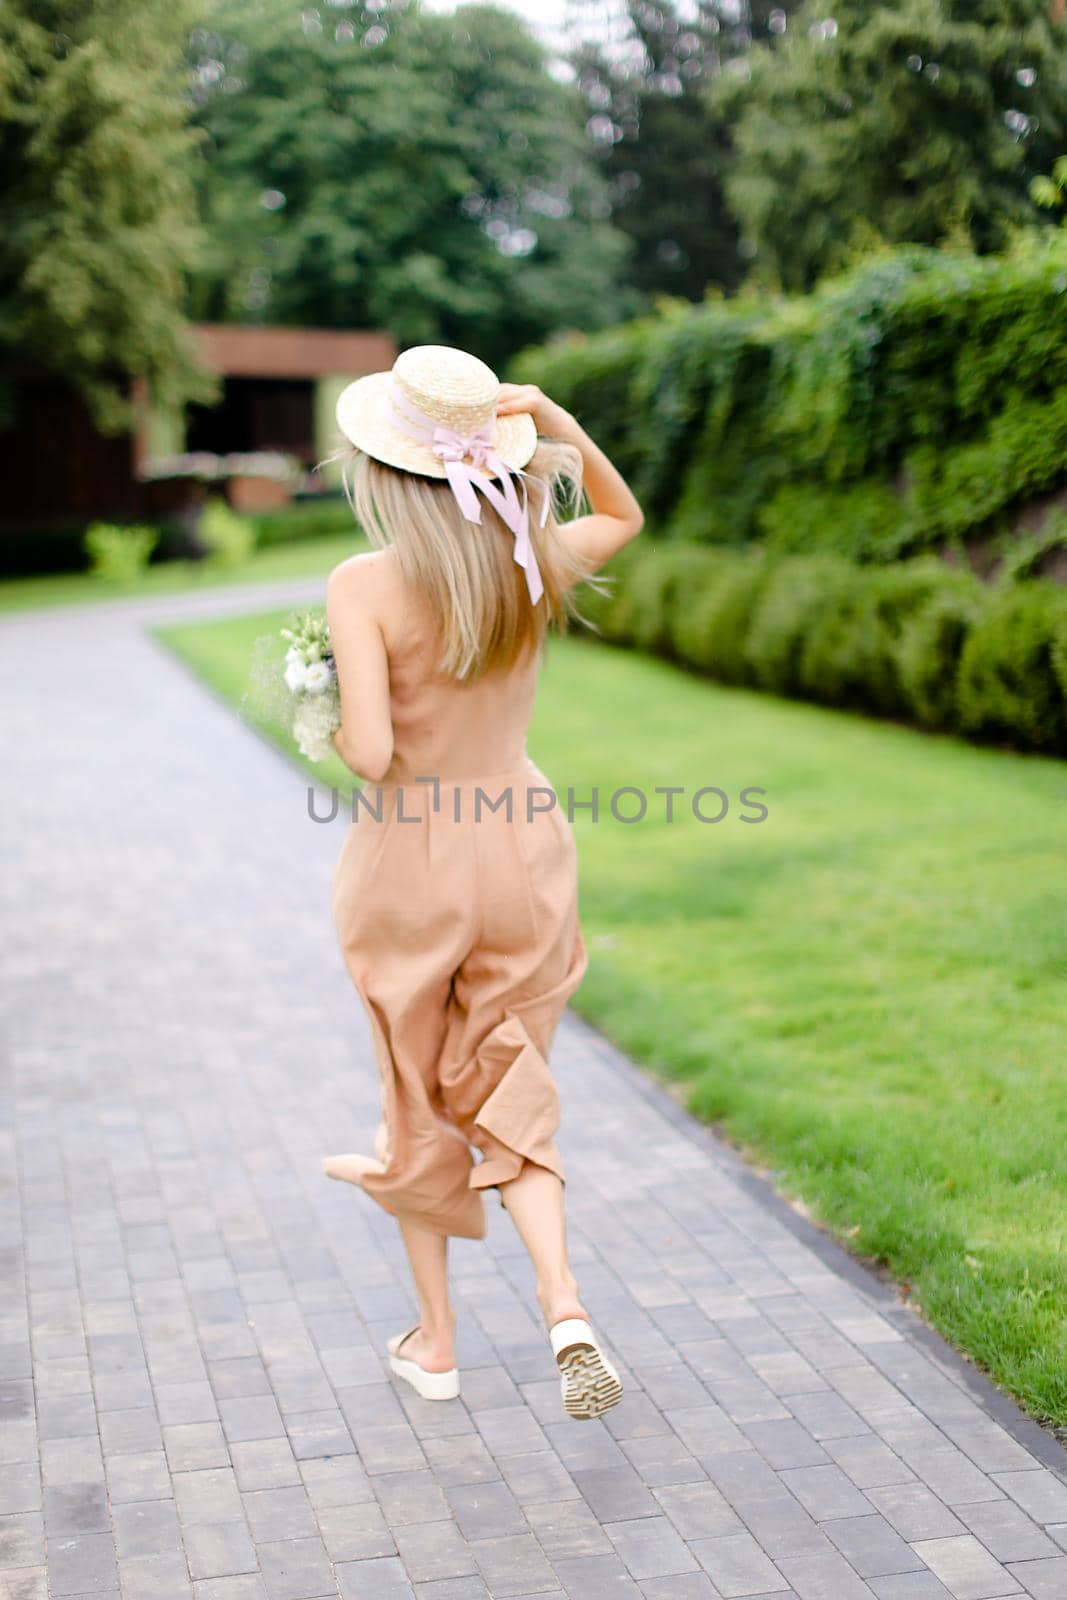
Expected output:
(918, 641)
(911, 405)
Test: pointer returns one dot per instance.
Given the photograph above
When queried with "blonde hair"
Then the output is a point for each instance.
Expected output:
(467, 571)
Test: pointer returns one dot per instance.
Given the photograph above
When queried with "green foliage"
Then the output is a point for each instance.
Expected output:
(918, 641)
(398, 168)
(925, 121)
(713, 612)
(929, 649)
(229, 537)
(916, 402)
(304, 519)
(1010, 685)
(99, 213)
(119, 554)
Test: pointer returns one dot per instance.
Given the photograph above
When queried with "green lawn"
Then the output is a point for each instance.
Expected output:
(865, 991)
(303, 558)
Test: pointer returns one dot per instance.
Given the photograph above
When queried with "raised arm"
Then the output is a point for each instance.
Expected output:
(354, 595)
(616, 516)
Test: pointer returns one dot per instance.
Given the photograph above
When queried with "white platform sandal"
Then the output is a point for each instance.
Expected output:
(430, 1385)
(588, 1382)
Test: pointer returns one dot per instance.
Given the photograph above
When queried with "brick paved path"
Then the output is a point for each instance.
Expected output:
(194, 1400)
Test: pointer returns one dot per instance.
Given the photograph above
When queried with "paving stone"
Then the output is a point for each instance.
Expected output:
(296, 1569)
(825, 1492)
(265, 1464)
(157, 1577)
(21, 1539)
(1046, 1580)
(20, 1487)
(698, 1510)
(146, 1528)
(687, 1586)
(76, 1508)
(191, 1446)
(138, 1477)
(434, 1550)
(1039, 1493)
(662, 1459)
(781, 1527)
(356, 1533)
(337, 1481)
(82, 1562)
(871, 1545)
(374, 1580)
(244, 1588)
(737, 1566)
(485, 1510)
(130, 1432)
(567, 1529)
(966, 1568)
(597, 1578)
(868, 1461)
(219, 1550)
(650, 1547)
(411, 1497)
(910, 1586)
(826, 1577)
(208, 1496)
(1007, 1532)
(785, 1444)
(538, 1475)
(456, 1589)
(616, 1494)
(31, 1583)
(915, 1512)
(275, 1514)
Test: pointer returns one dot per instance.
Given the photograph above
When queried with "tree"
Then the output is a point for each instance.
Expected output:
(99, 219)
(385, 167)
(915, 122)
(650, 75)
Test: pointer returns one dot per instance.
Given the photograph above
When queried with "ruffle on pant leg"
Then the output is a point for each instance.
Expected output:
(423, 1161)
(518, 1119)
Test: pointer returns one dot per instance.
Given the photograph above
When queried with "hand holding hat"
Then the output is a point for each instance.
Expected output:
(436, 414)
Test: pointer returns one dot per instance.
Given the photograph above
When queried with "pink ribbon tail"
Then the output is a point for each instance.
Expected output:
(467, 481)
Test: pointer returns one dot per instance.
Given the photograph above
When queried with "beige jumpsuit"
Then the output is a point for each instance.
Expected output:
(459, 927)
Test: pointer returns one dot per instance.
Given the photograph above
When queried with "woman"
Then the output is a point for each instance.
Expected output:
(455, 893)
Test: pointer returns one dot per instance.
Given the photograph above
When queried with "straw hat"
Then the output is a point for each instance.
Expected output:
(452, 388)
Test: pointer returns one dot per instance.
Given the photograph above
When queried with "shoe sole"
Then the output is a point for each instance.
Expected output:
(589, 1384)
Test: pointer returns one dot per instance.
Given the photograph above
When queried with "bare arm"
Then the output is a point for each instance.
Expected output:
(364, 740)
(616, 516)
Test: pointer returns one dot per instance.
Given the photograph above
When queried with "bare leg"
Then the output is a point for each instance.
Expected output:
(534, 1201)
(433, 1346)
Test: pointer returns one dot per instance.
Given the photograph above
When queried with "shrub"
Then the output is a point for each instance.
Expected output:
(229, 537)
(929, 649)
(1009, 685)
(316, 518)
(799, 595)
(713, 613)
(119, 554)
(918, 641)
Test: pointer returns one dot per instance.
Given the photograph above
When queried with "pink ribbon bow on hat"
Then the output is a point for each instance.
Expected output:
(467, 477)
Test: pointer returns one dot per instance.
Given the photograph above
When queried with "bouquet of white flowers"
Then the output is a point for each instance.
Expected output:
(311, 678)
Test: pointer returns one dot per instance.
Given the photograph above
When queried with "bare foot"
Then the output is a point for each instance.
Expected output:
(435, 1354)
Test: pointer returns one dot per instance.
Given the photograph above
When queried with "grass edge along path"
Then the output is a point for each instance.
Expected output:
(863, 993)
(300, 558)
